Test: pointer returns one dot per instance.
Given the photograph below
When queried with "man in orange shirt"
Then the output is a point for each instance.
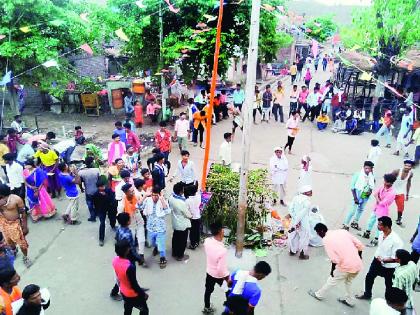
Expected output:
(386, 128)
(345, 252)
(9, 292)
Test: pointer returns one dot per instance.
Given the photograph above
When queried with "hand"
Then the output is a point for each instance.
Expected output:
(82, 190)
(25, 230)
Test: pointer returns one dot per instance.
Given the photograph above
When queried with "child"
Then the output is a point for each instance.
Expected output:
(374, 152)
(147, 177)
(78, 135)
(151, 111)
(104, 203)
(193, 201)
(129, 121)
(138, 114)
(322, 121)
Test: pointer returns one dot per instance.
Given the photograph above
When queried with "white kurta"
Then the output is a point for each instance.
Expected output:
(299, 210)
(278, 169)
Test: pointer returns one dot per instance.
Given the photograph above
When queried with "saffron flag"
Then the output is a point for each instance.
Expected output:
(50, 63)
(87, 49)
(268, 7)
(7, 78)
(120, 33)
(171, 7)
(25, 29)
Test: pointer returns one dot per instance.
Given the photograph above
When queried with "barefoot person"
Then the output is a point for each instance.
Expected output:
(402, 187)
(13, 221)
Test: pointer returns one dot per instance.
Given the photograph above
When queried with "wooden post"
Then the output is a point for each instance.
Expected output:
(212, 92)
(247, 116)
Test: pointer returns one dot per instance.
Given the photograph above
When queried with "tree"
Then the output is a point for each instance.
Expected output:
(321, 28)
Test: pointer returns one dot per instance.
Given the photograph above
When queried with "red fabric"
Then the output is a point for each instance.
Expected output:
(163, 143)
(133, 140)
(399, 201)
(138, 114)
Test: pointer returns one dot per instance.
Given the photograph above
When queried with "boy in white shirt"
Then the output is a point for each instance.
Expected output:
(193, 201)
(374, 152)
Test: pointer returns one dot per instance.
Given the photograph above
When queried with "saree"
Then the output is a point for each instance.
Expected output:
(40, 203)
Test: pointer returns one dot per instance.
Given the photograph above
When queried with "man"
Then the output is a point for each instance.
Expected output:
(402, 187)
(3, 150)
(344, 252)
(403, 139)
(49, 162)
(216, 269)
(362, 184)
(293, 72)
(125, 179)
(394, 303)
(116, 149)
(313, 101)
(182, 131)
(134, 296)
(119, 130)
(278, 171)
(294, 94)
(27, 151)
(17, 124)
(386, 128)
(384, 196)
(15, 176)
(185, 170)
(69, 180)
(34, 301)
(105, 204)
(225, 150)
(245, 284)
(267, 98)
(416, 140)
(238, 97)
(277, 102)
(292, 129)
(163, 140)
(9, 292)
(13, 222)
(405, 275)
(155, 208)
(89, 177)
(180, 222)
(384, 261)
(158, 173)
(299, 234)
(324, 62)
(200, 100)
(132, 138)
(299, 68)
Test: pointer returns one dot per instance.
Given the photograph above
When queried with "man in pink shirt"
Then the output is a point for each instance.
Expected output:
(345, 252)
(384, 196)
(132, 138)
(217, 271)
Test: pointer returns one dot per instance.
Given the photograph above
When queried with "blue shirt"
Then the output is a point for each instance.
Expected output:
(66, 180)
(251, 291)
(416, 242)
(238, 96)
(121, 133)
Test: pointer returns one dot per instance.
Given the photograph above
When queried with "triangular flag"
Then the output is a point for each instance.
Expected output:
(87, 48)
(7, 78)
(171, 7)
(280, 8)
(366, 76)
(84, 17)
(2, 36)
(25, 29)
(50, 63)
(317, 24)
(140, 4)
(210, 18)
(57, 22)
(268, 7)
(120, 33)
(355, 47)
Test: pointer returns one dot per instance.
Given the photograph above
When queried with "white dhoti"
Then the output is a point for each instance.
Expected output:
(280, 189)
(298, 241)
(402, 142)
(299, 211)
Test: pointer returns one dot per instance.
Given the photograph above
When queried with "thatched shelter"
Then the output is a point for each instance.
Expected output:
(359, 60)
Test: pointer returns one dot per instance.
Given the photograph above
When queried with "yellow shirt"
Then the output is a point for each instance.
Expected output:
(323, 119)
(3, 150)
(47, 159)
(278, 96)
(293, 70)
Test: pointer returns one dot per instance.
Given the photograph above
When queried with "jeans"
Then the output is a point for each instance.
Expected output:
(326, 107)
(278, 111)
(293, 77)
(335, 109)
(384, 131)
(356, 210)
(112, 215)
(324, 66)
(210, 282)
(293, 107)
(138, 302)
(195, 232)
(376, 269)
(91, 207)
(238, 105)
(179, 243)
(158, 239)
(372, 224)
(254, 112)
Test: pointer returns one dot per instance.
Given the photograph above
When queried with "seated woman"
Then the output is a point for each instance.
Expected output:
(322, 121)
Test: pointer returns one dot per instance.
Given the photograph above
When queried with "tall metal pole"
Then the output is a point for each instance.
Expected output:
(162, 78)
(4, 87)
(247, 116)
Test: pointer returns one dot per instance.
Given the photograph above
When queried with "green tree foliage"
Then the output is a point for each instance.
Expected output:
(321, 27)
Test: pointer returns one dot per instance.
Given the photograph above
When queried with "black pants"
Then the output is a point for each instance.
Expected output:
(254, 112)
(315, 112)
(316, 66)
(179, 243)
(238, 105)
(289, 143)
(308, 112)
(225, 110)
(302, 105)
(195, 232)
(278, 111)
(307, 82)
(376, 269)
(198, 130)
(112, 215)
(293, 76)
(138, 302)
(210, 282)
(217, 111)
(293, 107)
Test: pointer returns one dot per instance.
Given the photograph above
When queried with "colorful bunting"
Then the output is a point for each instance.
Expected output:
(25, 29)
(336, 39)
(7, 78)
(280, 8)
(171, 7)
(84, 17)
(120, 33)
(140, 4)
(50, 63)
(210, 18)
(268, 7)
(2, 36)
(87, 49)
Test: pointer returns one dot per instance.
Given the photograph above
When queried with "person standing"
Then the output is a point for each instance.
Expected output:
(13, 138)
(216, 267)
(180, 222)
(182, 131)
(316, 62)
(15, 175)
(345, 252)
(138, 114)
(13, 222)
(374, 152)
(294, 94)
(302, 101)
(158, 173)
(116, 149)
(105, 205)
(384, 262)
(163, 140)
(256, 105)
(308, 77)
(416, 140)
(34, 301)
(134, 296)
(305, 174)
(225, 150)
(193, 200)
(299, 234)
(267, 98)
(385, 130)
(132, 138)
(402, 187)
(292, 130)
(406, 127)
(277, 102)
(128, 103)
(69, 180)
(238, 97)
(405, 275)
(89, 177)
(299, 68)
(324, 62)
(132, 161)
(3, 150)
(313, 101)
(49, 162)
(278, 171)
(362, 185)
(199, 119)
(119, 130)
(293, 72)
(185, 170)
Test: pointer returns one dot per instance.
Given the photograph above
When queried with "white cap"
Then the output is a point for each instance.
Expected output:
(278, 149)
(305, 188)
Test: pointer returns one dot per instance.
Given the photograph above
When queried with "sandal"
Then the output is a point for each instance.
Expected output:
(162, 263)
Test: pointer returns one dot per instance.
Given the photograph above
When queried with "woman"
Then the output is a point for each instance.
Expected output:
(40, 203)
(131, 161)
(49, 162)
(114, 173)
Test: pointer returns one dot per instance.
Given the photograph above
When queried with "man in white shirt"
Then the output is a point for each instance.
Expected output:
(17, 124)
(185, 169)
(15, 175)
(384, 261)
(313, 101)
(125, 179)
(394, 303)
(225, 150)
(278, 171)
(182, 131)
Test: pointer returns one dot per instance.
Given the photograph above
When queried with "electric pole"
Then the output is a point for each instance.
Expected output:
(247, 118)
(162, 77)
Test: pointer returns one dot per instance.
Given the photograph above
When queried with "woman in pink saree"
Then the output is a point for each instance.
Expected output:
(40, 203)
